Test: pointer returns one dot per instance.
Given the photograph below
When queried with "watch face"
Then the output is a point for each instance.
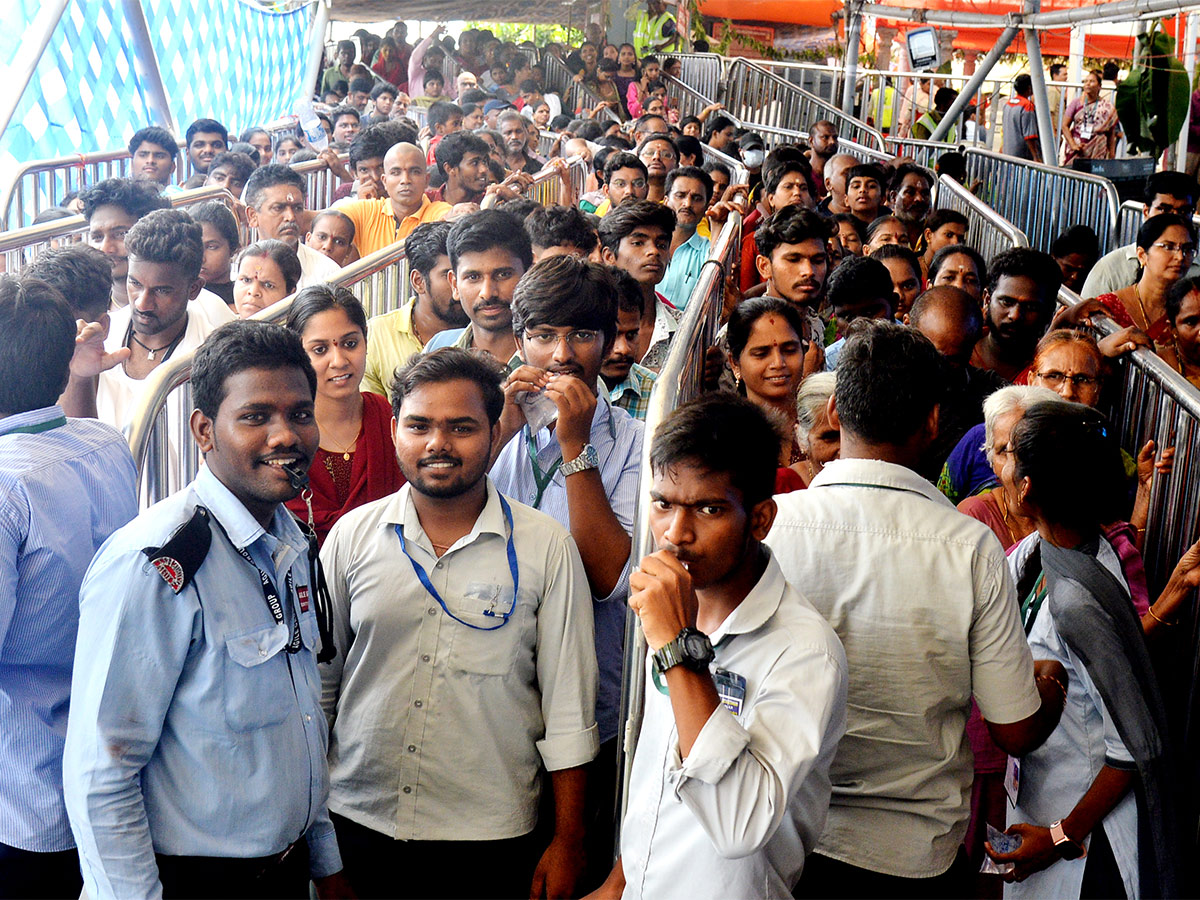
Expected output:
(698, 647)
(591, 454)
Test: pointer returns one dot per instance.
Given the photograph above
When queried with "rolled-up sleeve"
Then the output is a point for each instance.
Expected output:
(1001, 663)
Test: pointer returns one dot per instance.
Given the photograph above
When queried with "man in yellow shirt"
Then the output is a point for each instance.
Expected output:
(379, 223)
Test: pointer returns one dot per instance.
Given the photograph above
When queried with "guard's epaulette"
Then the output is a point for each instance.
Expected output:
(178, 560)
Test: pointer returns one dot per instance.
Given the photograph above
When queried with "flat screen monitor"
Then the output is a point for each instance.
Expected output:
(923, 52)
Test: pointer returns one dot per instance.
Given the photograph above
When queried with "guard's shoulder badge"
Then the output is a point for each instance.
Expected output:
(178, 560)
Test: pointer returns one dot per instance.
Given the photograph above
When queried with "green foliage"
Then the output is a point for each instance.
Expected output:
(1152, 102)
(541, 35)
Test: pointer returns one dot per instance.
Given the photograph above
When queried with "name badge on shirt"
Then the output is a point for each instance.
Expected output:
(731, 688)
(1012, 779)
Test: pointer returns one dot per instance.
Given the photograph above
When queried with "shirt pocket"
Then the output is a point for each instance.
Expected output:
(258, 688)
(479, 647)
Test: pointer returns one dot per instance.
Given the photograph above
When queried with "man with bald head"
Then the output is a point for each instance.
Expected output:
(952, 320)
(381, 222)
(834, 172)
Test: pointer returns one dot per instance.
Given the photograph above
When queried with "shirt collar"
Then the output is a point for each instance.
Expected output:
(403, 512)
(636, 381)
(877, 473)
(696, 240)
(241, 527)
(30, 417)
(758, 605)
(420, 210)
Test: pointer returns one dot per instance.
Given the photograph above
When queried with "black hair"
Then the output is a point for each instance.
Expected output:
(241, 148)
(746, 313)
(904, 170)
(206, 126)
(642, 126)
(887, 381)
(251, 132)
(485, 230)
(339, 111)
(607, 65)
(520, 208)
(426, 245)
(442, 111)
(451, 364)
(453, 147)
(859, 278)
(721, 432)
(384, 88)
(943, 216)
(624, 218)
(136, 198)
(82, 274)
(476, 96)
(944, 98)
(217, 215)
(370, 143)
(895, 251)
(1071, 457)
(1152, 229)
(717, 166)
(615, 141)
(866, 170)
(716, 123)
(650, 59)
(1176, 184)
(268, 177)
(159, 137)
(791, 225)
(52, 214)
(343, 46)
(629, 293)
(773, 175)
(1024, 262)
(39, 341)
(240, 345)
(952, 163)
(1176, 294)
(335, 214)
(590, 130)
(690, 172)
(283, 256)
(559, 122)
(529, 86)
(1077, 239)
(318, 298)
(622, 159)
(243, 166)
(566, 291)
(1110, 71)
(853, 221)
(691, 120)
(396, 131)
(1023, 85)
(878, 222)
(686, 145)
(560, 226)
(432, 75)
(940, 257)
(168, 236)
(360, 84)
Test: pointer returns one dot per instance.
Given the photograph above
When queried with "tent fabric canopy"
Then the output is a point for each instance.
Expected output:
(549, 12)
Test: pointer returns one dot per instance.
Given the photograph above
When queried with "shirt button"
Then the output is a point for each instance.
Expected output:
(407, 789)
(412, 748)
(262, 652)
(418, 704)
(432, 611)
(307, 717)
(424, 657)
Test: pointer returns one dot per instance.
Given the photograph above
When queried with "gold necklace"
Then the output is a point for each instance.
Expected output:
(1137, 293)
(345, 451)
(1004, 513)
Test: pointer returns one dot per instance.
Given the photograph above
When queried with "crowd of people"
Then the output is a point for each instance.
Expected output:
(902, 641)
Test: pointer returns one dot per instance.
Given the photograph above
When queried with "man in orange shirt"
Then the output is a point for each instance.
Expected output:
(379, 223)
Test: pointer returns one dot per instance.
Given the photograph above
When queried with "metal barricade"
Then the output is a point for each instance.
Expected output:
(1044, 201)
(162, 445)
(703, 72)
(691, 102)
(987, 231)
(755, 96)
(22, 246)
(1129, 220)
(739, 174)
(558, 77)
(547, 184)
(419, 114)
(680, 380)
(320, 183)
(924, 153)
(44, 183)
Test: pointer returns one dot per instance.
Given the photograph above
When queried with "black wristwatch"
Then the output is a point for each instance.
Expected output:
(1067, 848)
(691, 649)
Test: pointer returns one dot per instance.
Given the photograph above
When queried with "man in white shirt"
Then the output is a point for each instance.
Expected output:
(464, 663)
(275, 198)
(730, 782)
(927, 612)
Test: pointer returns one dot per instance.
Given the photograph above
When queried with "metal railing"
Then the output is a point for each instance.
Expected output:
(987, 231)
(320, 183)
(924, 153)
(547, 184)
(43, 183)
(159, 437)
(1129, 219)
(691, 101)
(756, 96)
(1044, 201)
(703, 72)
(680, 380)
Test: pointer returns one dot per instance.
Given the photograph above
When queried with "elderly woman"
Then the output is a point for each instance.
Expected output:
(1095, 812)
(1183, 315)
(818, 441)
(1090, 126)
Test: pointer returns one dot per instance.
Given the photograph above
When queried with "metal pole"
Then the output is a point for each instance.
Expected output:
(316, 49)
(1041, 103)
(1075, 55)
(853, 31)
(1191, 32)
(981, 72)
(146, 64)
(29, 52)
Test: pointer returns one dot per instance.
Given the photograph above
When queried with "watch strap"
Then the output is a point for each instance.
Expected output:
(1063, 842)
(584, 461)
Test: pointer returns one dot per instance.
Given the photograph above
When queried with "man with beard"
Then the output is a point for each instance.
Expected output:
(582, 468)
(629, 383)
(793, 259)
(380, 222)
(515, 134)
(1017, 306)
(688, 191)
(394, 337)
(195, 752)
(205, 138)
(462, 158)
(489, 252)
(660, 156)
(461, 619)
(822, 147)
(910, 198)
(274, 197)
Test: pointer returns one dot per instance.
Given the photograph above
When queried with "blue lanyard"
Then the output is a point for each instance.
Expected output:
(423, 576)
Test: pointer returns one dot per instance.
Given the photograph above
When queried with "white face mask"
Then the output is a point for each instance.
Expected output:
(753, 158)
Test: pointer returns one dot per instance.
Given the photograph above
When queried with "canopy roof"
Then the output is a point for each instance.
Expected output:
(549, 12)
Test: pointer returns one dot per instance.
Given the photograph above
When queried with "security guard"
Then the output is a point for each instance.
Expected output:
(655, 30)
(195, 754)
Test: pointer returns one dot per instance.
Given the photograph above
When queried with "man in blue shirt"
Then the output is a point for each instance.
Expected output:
(689, 189)
(195, 754)
(583, 468)
(65, 486)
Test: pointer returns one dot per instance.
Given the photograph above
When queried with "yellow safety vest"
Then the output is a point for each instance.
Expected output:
(647, 32)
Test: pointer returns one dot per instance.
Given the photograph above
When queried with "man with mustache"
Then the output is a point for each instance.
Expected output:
(582, 468)
(1017, 306)
(461, 620)
(274, 197)
(688, 192)
(629, 383)
(195, 752)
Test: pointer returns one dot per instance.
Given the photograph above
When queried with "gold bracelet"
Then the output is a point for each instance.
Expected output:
(1150, 609)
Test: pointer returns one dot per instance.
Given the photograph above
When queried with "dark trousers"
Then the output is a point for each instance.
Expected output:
(24, 873)
(379, 866)
(599, 817)
(279, 877)
(826, 877)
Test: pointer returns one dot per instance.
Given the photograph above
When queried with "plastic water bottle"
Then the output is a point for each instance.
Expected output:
(314, 133)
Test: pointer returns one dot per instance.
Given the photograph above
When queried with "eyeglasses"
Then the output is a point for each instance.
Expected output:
(1185, 250)
(637, 183)
(1056, 379)
(580, 337)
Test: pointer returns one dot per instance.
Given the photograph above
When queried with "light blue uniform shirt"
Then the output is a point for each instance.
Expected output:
(192, 731)
(64, 488)
(617, 437)
(684, 270)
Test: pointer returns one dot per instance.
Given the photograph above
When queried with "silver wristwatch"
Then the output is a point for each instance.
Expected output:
(588, 458)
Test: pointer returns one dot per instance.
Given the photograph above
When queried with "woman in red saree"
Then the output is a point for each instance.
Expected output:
(356, 460)
(1090, 126)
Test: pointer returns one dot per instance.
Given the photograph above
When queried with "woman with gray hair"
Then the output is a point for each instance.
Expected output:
(817, 441)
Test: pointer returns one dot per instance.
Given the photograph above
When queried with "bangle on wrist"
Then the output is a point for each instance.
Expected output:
(1155, 617)
(1062, 687)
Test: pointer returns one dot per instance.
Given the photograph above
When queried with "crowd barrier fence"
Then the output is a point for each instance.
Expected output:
(924, 153)
(705, 72)
(987, 231)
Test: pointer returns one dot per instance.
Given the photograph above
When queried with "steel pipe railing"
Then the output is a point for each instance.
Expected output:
(987, 231)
